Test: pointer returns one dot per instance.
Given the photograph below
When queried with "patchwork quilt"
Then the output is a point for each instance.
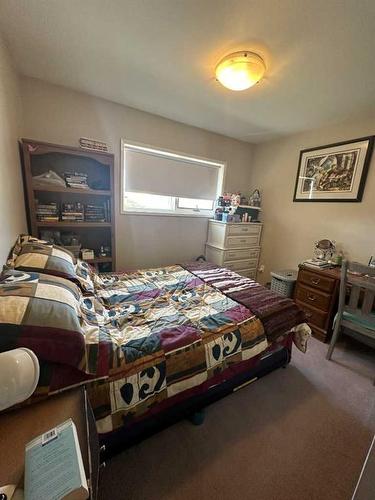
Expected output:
(163, 331)
(278, 313)
(139, 338)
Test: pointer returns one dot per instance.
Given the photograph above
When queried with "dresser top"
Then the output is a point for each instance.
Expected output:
(332, 272)
(212, 221)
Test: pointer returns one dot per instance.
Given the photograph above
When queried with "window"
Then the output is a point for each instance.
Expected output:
(166, 182)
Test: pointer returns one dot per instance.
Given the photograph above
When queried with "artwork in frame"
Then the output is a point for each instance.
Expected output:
(336, 172)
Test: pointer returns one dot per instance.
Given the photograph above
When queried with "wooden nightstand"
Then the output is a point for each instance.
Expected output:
(316, 292)
(18, 427)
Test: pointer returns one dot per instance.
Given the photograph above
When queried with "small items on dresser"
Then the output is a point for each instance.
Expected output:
(326, 255)
(255, 198)
(317, 264)
(236, 208)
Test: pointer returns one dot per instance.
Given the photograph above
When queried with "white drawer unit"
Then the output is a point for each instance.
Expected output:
(235, 246)
(235, 265)
(219, 256)
(248, 273)
(243, 229)
(241, 241)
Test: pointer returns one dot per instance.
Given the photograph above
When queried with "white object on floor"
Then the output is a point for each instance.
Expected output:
(19, 375)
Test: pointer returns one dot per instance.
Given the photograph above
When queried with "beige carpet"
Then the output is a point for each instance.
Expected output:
(298, 433)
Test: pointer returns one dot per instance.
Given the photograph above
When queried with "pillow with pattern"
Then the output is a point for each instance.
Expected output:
(45, 258)
(42, 312)
(32, 254)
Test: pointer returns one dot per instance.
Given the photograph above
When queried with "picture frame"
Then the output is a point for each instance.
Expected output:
(335, 172)
(371, 262)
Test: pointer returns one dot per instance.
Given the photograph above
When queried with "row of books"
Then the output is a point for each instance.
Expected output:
(47, 212)
(74, 212)
(76, 180)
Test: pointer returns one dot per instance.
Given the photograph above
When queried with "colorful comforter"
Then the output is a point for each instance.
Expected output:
(164, 331)
(277, 313)
(144, 337)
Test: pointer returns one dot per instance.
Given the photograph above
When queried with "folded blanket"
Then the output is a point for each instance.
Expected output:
(277, 313)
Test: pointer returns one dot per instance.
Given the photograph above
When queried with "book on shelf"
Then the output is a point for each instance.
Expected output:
(76, 180)
(96, 213)
(73, 212)
(54, 466)
(47, 212)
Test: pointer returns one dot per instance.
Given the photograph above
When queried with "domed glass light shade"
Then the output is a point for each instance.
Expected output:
(19, 375)
(240, 70)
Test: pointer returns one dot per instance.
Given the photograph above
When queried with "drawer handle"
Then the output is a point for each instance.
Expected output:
(311, 297)
(315, 281)
(244, 229)
(243, 241)
(308, 314)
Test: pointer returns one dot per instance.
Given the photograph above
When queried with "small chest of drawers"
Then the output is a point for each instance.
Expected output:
(235, 246)
(316, 292)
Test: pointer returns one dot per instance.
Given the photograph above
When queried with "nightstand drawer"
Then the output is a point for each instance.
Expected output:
(243, 229)
(314, 316)
(241, 241)
(313, 297)
(316, 280)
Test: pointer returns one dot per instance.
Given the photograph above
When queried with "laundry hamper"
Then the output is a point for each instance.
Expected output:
(283, 282)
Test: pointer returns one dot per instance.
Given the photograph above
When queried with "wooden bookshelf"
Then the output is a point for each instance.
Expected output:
(40, 157)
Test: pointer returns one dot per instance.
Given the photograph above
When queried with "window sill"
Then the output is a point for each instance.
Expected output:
(167, 214)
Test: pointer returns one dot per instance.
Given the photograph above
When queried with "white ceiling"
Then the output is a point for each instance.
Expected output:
(160, 55)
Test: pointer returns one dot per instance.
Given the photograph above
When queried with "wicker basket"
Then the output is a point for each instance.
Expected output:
(283, 282)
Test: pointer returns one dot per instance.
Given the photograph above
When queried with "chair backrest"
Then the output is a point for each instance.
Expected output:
(361, 281)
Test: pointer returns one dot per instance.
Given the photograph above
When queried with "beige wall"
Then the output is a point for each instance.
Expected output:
(55, 114)
(291, 229)
(12, 211)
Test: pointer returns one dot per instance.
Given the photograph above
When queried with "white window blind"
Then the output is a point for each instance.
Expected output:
(148, 170)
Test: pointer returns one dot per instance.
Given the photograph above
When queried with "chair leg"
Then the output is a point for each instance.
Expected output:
(334, 338)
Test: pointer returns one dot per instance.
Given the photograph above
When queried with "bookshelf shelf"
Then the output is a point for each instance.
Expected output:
(98, 168)
(98, 260)
(73, 224)
(58, 189)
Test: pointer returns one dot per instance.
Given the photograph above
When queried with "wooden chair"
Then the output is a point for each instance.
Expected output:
(355, 314)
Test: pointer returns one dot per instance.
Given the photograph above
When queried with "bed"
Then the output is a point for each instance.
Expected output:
(151, 345)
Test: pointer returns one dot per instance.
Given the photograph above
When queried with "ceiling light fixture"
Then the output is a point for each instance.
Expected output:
(240, 70)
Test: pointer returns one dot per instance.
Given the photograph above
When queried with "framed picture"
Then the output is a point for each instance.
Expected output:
(336, 172)
(372, 261)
